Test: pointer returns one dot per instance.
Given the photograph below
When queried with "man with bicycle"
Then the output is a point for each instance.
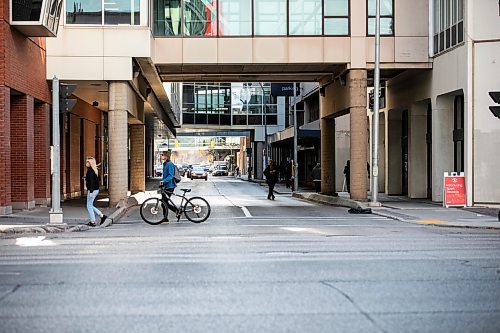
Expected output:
(168, 182)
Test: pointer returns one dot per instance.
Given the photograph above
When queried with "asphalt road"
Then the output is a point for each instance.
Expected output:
(255, 266)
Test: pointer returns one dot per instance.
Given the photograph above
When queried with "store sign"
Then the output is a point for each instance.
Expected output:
(454, 190)
(284, 89)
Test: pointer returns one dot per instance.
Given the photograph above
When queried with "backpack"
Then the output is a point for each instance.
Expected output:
(177, 174)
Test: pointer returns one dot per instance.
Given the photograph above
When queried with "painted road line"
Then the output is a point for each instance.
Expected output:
(431, 221)
(245, 211)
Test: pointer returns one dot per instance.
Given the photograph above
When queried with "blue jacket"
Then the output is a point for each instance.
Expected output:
(168, 175)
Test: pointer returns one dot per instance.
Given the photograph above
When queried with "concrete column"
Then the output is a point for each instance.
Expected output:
(442, 143)
(42, 154)
(258, 160)
(359, 133)
(5, 174)
(327, 128)
(137, 159)
(22, 156)
(118, 140)
(342, 148)
(417, 151)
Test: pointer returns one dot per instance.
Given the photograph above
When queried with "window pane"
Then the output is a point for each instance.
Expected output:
(83, 12)
(336, 7)
(270, 17)
(385, 26)
(235, 18)
(305, 17)
(137, 12)
(385, 7)
(336, 26)
(460, 10)
(167, 17)
(200, 18)
(117, 12)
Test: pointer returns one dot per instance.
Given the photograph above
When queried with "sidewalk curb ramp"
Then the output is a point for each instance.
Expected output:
(329, 200)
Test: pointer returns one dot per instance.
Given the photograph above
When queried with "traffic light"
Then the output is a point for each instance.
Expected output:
(65, 103)
(495, 96)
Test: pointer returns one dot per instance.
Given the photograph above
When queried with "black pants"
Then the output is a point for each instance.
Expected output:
(317, 186)
(165, 195)
(271, 190)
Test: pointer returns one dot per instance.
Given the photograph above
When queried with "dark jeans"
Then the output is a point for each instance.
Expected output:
(317, 186)
(165, 195)
(271, 190)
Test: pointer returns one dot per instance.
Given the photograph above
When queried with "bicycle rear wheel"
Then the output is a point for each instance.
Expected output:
(197, 209)
(153, 211)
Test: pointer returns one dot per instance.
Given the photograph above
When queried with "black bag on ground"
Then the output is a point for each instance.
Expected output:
(358, 210)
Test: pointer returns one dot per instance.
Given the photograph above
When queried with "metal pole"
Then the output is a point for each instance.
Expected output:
(266, 158)
(56, 213)
(375, 116)
(295, 139)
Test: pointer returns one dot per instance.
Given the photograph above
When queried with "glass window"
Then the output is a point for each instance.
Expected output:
(386, 17)
(235, 18)
(270, 17)
(200, 18)
(117, 11)
(167, 17)
(448, 24)
(385, 8)
(305, 17)
(336, 7)
(336, 26)
(83, 12)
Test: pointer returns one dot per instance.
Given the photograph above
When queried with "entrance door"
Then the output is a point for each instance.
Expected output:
(404, 153)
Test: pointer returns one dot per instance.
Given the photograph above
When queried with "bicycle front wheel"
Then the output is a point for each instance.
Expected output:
(197, 209)
(153, 211)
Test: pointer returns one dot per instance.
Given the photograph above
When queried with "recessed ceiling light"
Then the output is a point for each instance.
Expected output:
(95, 84)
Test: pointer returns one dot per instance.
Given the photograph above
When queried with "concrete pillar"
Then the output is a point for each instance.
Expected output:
(5, 174)
(357, 81)
(442, 143)
(137, 159)
(394, 153)
(118, 140)
(327, 128)
(258, 160)
(417, 149)
(22, 151)
(342, 149)
(42, 154)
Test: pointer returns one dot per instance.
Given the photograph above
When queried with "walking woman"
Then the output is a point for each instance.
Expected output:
(92, 187)
(271, 173)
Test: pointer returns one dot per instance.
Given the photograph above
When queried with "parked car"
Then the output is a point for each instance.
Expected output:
(220, 170)
(199, 172)
(181, 170)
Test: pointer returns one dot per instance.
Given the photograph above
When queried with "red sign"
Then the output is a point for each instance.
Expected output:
(454, 190)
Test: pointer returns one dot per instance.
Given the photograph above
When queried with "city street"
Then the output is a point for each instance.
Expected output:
(254, 266)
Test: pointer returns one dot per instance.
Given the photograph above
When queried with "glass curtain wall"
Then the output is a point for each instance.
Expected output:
(91, 12)
(228, 104)
(448, 24)
(252, 17)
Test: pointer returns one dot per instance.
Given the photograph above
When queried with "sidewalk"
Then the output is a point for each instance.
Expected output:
(421, 212)
(74, 212)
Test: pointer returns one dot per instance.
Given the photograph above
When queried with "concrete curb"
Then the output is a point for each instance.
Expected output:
(329, 200)
(113, 218)
(44, 229)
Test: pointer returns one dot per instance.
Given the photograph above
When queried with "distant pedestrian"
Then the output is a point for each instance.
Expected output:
(316, 176)
(347, 174)
(271, 173)
(168, 183)
(92, 187)
(287, 170)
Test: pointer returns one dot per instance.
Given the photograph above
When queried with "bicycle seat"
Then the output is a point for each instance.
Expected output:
(186, 190)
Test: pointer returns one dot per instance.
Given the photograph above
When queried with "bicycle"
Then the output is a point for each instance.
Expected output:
(195, 209)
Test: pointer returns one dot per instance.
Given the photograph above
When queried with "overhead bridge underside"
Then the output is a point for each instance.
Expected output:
(248, 72)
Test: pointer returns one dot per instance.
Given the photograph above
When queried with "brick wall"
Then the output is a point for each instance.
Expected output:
(22, 149)
(5, 183)
(42, 153)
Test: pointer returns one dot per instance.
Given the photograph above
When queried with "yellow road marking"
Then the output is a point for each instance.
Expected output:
(431, 221)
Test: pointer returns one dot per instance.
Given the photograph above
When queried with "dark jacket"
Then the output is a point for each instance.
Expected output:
(316, 173)
(271, 175)
(91, 180)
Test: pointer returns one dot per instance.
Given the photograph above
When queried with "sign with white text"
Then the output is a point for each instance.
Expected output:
(454, 194)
